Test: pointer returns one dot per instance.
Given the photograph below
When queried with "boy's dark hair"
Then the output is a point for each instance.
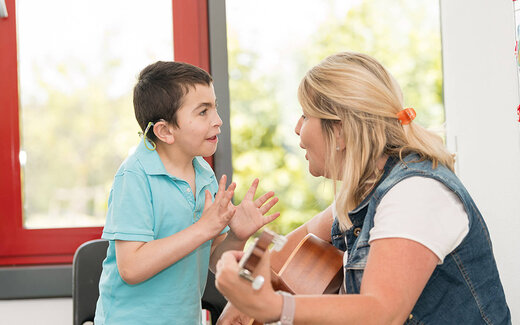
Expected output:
(160, 90)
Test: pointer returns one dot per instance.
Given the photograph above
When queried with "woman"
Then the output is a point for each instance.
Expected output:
(417, 250)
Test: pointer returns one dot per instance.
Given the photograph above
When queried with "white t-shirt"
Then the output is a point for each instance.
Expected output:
(423, 210)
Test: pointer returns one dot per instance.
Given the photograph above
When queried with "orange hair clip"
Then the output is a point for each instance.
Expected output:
(406, 115)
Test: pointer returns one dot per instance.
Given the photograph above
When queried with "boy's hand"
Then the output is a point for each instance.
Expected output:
(249, 215)
(217, 214)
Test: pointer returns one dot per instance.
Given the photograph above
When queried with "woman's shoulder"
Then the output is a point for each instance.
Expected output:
(421, 187)
(414, 164)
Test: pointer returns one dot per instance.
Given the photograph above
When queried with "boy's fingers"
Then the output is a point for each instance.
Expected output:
(252, 190)
(266, 207)
(261, 200)
(228, 209)
(221, 187)
(225, 199)
(208, 200)
(231, 213)
(271, 217)
(232, 186)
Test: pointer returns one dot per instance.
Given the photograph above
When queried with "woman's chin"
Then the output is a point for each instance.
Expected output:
(314, 172)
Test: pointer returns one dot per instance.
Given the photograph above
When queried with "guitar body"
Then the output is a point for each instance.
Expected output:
(314, 267)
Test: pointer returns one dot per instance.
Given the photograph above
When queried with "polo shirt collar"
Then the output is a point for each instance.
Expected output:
(153, 165)
(150, 160)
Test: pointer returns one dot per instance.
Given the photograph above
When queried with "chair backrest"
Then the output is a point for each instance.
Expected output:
(86, 270)
(212, 299)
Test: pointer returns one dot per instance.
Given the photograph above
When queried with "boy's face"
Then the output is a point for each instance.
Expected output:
(199, 122)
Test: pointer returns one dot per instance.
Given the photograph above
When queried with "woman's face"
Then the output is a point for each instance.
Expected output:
(311, 139)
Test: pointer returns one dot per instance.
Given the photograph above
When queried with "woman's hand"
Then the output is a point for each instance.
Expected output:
(264, 304)
(250, 215)
(232, 316)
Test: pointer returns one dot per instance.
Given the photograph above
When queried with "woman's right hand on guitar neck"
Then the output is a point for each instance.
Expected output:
(264, 304)
(232, 316)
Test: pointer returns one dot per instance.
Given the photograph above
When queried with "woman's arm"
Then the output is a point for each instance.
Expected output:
(319, 225)
(397, 271)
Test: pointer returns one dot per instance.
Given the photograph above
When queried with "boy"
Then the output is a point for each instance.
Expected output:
(162, 226)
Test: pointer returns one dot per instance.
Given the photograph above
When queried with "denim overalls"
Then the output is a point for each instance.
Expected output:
(466, 288)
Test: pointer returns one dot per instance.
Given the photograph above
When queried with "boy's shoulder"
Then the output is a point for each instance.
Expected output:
(132, 163)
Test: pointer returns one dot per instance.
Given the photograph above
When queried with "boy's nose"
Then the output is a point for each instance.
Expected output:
(217, 121)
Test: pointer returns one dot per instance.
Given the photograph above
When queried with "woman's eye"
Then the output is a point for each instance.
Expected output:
(303, 117)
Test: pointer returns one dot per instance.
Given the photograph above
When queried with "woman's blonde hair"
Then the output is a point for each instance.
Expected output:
(356, 92)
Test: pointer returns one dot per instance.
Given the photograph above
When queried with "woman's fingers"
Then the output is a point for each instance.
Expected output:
(236, 254)
(228, 261)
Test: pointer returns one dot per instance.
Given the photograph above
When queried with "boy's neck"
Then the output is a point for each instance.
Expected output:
(175, 162)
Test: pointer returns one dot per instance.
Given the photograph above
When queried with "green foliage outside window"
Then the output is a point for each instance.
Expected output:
(404, 35)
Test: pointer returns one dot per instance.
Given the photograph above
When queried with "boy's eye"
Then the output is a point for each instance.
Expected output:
(203, 112)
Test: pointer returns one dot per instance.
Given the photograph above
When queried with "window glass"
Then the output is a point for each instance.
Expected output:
(78, 62)
(271, 44)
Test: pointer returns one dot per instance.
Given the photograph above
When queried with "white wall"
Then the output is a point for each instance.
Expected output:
(57, 311)
(481, 95)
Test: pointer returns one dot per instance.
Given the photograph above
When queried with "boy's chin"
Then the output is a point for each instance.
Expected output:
(209, 153)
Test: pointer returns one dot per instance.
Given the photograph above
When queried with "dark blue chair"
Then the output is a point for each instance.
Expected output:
(86, 271)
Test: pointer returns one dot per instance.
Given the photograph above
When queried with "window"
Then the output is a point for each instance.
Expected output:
(42, 164)
(272, 44)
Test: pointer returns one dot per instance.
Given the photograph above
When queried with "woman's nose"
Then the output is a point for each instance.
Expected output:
(298, 126)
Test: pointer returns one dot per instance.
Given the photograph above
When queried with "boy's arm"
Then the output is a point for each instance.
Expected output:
(139, 261)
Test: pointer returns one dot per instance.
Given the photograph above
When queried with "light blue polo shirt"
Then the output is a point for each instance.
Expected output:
(147, 203)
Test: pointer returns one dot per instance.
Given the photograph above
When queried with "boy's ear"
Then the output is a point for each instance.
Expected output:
(164, 132)
(339, 136)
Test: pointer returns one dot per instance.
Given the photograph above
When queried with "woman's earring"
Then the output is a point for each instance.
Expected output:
(337, 148)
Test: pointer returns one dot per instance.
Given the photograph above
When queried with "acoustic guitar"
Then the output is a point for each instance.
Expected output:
(313, 267)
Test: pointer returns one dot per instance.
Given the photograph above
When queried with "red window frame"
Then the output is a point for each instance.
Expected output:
(20, 246)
